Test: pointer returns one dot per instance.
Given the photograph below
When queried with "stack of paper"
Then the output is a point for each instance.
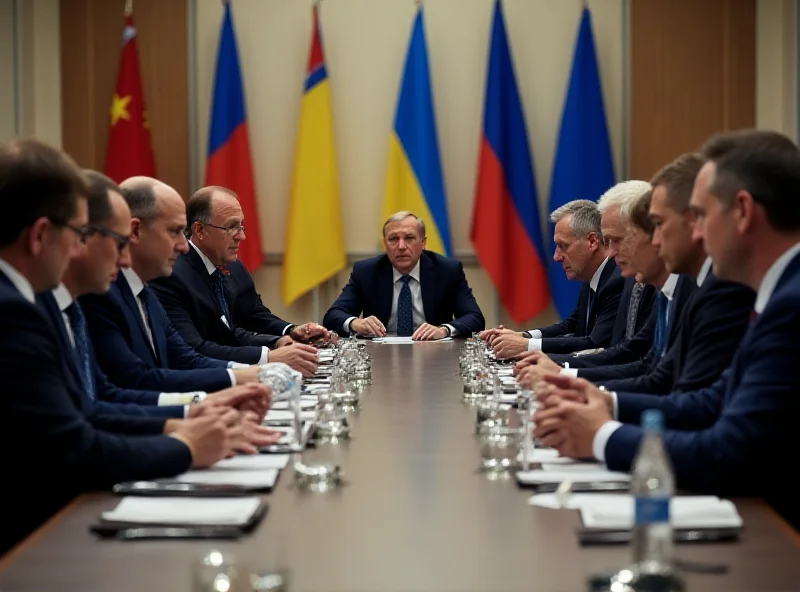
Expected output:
(690, 512)
(548, 456)
(399, 340)
(278, 415)
(306, 402)
(179, 510)
(552, 475)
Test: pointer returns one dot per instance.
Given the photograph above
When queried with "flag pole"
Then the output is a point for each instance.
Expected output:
(128, 7)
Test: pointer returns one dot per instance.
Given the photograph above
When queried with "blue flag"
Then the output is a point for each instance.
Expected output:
(583, 167)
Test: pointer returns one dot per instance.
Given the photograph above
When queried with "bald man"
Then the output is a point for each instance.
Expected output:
(136, 345)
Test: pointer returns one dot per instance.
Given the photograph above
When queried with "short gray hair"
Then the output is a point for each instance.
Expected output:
(141, 198)
(400, 216)
(624, 196)
(585, 218)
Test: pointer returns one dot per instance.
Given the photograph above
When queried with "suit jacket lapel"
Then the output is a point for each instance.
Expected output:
(133, 305)
(583, 304)
(428, 287)
(385, 290)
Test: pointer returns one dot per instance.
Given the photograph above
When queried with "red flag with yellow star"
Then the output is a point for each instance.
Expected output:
(129, 151)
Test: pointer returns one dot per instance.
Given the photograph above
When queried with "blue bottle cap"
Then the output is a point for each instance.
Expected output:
(652, 420)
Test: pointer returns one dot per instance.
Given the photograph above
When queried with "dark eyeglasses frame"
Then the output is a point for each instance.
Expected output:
(231, 230)
(85, 232)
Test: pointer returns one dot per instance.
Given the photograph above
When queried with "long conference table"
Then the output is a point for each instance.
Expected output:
(415, 515)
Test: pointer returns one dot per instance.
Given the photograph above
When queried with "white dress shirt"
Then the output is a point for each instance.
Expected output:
(137, 285)
(211, 268)
(64, 299)
(19, 281)
(417, 308)
(535, 342)
(765, 291)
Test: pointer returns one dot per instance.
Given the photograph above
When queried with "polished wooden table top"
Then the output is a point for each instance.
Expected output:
(415, 516)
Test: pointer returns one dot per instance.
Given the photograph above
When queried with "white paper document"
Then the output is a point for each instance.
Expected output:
(235, 511)
(249, 478)
(552, 475)
(252, 462)
(398, 340)
(304, 404)
(549, 456)
(686, 512)
(283, 415)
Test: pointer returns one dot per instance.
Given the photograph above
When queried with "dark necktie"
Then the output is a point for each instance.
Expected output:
(589, 303)
(662, 303)
(633, 309)
(405, 310)
(218, 281)
(78, 324)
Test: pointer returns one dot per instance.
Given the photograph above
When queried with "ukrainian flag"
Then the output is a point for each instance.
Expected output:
(414, 179)
(314, 250)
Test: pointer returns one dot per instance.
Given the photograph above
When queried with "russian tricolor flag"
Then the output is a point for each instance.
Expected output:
(506, 230)
(229, 162)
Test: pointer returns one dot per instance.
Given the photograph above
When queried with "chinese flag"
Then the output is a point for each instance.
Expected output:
(129, 150)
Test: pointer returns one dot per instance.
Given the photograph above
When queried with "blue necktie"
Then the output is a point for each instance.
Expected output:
(589, 303)
(78, 323)
(218, 280)
(661, 323)
(405, 310)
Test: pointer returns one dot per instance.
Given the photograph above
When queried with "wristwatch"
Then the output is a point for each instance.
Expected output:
(198, 397)
(446, 328)
(526, 334)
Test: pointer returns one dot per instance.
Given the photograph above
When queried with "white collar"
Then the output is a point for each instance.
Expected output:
(669, 286)
(414, 273)
(63, 297)
(597, 274)
(134, 281)
(701, 277)
(210, 267)
(773, 276)
(19, 281)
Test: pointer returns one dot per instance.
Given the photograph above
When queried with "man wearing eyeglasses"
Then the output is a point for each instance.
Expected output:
(212, 300)
(107, 238)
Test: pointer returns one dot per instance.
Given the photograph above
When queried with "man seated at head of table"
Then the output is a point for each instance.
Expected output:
(211, 298)
(55, 447)
(106, 239)
(581, 250)
(734, 437)
(408, 291)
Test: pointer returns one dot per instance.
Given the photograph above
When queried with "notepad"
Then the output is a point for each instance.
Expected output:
(553, 476)
(304, 404)
(181, 510)
(686, 512)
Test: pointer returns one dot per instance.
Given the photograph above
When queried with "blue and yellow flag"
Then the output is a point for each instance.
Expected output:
(314, 250)
(414, 179)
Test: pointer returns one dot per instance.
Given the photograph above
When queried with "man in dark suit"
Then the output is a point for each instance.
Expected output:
(409, 291)
(732, 438)
(705, 334)
(211, 299)
(107, 236)
(44, 199)
(581, 250)
(135, 343)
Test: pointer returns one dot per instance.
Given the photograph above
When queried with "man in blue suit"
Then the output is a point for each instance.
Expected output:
(581, 250)
(107, 236)
(732, 438)
(409, 291)
(44, 202)
(136, 344)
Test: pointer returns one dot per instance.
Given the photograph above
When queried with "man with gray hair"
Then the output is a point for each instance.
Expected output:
(408, 291)
(581, 250)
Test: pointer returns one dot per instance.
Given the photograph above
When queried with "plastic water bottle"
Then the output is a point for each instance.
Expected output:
(653, 486)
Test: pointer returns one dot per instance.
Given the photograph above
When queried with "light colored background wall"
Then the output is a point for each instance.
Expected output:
(365, 43)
